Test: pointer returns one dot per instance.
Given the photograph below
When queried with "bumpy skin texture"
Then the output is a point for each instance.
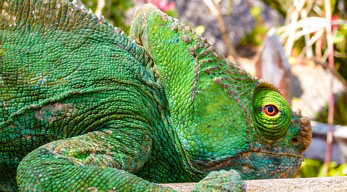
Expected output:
(85, 108)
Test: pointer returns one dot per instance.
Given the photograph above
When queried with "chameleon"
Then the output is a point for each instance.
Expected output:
(84, 107)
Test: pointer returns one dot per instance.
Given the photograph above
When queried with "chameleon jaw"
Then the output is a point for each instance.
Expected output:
(253, 165)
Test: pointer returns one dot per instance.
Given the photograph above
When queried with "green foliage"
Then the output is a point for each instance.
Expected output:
(200, 29)
(256, 36)
(172, 13)
(340, 111)
(114, 11)
(340, 41)
(281, 6)
(317, 168)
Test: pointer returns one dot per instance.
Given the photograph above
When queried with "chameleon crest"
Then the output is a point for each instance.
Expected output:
(84, 107)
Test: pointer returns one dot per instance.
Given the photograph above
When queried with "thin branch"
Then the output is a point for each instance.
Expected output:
(99, 7)
(303, 27)
(309, 51)
(339, 22)
(331, 104)
(339, 54)
(298, 5)
(332, 71)
(314, 39)
(214, 7)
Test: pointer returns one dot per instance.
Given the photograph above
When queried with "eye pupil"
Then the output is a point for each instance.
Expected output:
(270, 110)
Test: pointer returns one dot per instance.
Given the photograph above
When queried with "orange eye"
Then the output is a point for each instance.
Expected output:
(270, 110)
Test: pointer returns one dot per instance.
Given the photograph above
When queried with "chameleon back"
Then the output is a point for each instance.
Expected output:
(64, 73)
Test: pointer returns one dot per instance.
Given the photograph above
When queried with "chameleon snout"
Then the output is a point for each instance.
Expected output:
(305, 131)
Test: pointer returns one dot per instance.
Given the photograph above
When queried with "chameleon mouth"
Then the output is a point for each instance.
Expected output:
(274, 154)
(246, 159)
(262, 165)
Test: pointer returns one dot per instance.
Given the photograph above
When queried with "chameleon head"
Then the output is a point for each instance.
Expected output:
(260, 137)
(224, 118)
(282, 137)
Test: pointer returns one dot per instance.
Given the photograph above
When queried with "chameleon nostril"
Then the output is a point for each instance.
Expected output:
(295, 141)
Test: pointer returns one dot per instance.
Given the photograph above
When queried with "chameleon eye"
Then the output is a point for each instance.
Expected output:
(270, 110)
(271, 114)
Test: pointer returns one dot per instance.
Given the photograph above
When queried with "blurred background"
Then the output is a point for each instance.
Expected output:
(297, 45)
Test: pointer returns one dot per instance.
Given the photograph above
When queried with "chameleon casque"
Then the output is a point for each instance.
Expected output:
(84, 107)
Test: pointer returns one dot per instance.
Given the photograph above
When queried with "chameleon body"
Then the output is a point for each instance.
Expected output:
(84, 107)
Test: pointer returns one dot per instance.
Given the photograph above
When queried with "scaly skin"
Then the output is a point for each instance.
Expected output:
(218, 110)
(85, 108)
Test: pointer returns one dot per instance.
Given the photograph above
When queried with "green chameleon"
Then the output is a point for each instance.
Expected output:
(84, 107)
